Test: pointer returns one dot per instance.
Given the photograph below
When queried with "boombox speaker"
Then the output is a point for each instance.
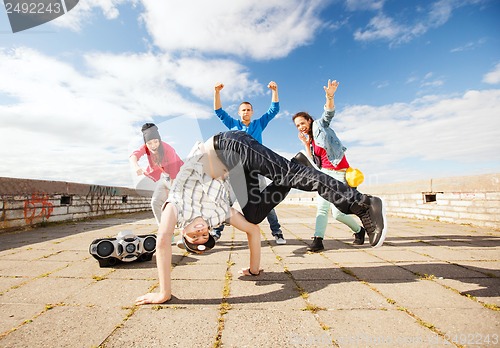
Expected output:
(126, 247)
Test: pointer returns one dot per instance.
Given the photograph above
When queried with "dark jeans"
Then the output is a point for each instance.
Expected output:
(238, 149)
(274, 225)
(272, 218)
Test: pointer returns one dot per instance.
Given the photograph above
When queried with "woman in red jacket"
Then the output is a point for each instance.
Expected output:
(164, 164)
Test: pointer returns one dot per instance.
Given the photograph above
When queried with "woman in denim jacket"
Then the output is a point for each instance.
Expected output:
(326, 150)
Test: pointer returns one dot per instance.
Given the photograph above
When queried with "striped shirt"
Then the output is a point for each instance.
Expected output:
(195, 194)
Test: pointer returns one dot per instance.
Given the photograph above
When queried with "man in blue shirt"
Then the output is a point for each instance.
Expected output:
(255, 129)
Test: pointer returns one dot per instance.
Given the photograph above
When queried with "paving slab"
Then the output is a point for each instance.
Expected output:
(370, 328)
(167, 326)
(340, 295)
(432, 284)
(66, 326)
(15, 315)
(273, 328)
(45, 290)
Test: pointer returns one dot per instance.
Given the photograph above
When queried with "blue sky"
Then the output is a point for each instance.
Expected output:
(419, 93)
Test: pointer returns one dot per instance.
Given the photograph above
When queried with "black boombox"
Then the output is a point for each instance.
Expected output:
(126, 247)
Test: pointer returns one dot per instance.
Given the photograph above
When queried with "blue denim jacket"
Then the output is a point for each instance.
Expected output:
(326, 138)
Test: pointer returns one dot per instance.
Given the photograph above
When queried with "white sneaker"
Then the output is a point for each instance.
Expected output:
(173, 240)
(180, 244)
(280, 239)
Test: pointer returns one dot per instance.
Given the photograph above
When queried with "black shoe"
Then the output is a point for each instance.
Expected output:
(316, 245)
(359, 238)
(371, 211)
(300, 158)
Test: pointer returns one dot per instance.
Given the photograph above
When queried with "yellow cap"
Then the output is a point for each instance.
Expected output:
(354, 177)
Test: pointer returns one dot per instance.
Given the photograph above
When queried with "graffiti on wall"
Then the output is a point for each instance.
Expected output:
(100, 198)
(37, 207)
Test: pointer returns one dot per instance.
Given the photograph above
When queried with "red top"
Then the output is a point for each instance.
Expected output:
(170, 164)
(325, 162)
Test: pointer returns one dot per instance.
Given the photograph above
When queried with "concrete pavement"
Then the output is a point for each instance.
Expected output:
(432, 284)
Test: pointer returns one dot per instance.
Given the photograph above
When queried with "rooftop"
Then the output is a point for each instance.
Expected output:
(430, 284)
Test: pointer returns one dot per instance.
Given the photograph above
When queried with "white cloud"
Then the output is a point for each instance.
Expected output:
(379, 27)
(260, 30)
(440, 12)
(395, 31)
(381, 84)
(256, 29)
(432, 128)
(427, 83)
(83, 11)
(356, 5)
(411, 79)
(469, 46)
(201, 75)
(493, 77)
(76, 126)
(433, 83)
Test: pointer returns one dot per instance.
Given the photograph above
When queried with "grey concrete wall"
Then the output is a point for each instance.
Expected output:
(473, 200)
(25, 202)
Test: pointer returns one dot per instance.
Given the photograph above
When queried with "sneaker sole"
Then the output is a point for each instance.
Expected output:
(315, 250)
(384, 230)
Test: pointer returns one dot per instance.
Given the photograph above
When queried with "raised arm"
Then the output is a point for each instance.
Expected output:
(163, 258)
(217, 89)
(226, 119)
(273, 109)
(330, 90)
(329, 109)
(273, 86)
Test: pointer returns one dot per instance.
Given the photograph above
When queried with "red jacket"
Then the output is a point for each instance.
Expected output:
(170, 164)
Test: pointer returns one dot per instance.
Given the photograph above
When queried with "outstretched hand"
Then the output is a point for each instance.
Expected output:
(152, 297)
(331, 88)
